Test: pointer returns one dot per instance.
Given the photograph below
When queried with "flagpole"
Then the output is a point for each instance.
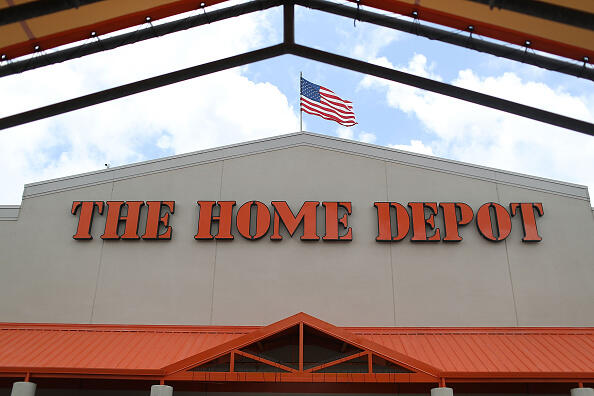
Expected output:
(300, 112)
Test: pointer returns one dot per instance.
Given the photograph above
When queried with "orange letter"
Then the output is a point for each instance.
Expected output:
(307, 215)
(154, 220)
(244, 220)
(420, 222)
(206, 219)
(501, 221)
(528, 219)
(114, 209)
(332, 224)
(83, 230)
(451, 221)
(384, 221)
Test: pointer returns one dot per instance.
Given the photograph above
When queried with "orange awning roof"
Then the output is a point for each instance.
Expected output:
(495, 351)
(162, 351)
(75, 24)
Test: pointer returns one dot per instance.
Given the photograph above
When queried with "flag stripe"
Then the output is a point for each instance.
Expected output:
(337, 105)
(327, 108)
(327, 117)
(334, 117)
(335, 100)
(311, 108)
(323, 102)
(330, 94)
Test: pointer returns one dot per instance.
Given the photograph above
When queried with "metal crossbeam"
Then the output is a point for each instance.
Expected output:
(289, 47)
(444, 89)
(140, 86)
(460, 40)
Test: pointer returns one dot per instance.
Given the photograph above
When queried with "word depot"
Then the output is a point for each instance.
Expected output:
(254, 220)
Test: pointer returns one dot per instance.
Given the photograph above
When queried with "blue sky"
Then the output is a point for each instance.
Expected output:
(261, 100)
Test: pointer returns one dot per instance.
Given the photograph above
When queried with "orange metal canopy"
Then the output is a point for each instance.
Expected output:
(462, 354)
(64, 27)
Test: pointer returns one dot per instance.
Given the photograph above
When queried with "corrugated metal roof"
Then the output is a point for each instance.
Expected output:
(489, 350)
(105, 347)
(457, 352)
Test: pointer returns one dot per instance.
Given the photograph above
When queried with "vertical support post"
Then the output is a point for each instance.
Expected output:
(161, 390)
(369, 363)
(442, 391)
(289, 23)
(582, 391)
(232, 362)
(24, 388)
(300, 346)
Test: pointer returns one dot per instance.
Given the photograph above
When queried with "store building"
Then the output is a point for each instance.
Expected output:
(298, 264)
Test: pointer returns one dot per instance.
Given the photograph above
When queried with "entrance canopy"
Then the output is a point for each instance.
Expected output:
(298, 349)
(559, 27)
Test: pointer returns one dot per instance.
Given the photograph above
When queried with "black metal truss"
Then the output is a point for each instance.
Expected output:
(444, 89)
(289, 47)
(141, 86)
(21, 12)
(461, 40)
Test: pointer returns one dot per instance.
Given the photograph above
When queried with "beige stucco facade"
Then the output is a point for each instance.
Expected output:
(47, 276)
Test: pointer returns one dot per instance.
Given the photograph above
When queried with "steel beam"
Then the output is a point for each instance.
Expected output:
(443, 88)
(133, 37)
(289, 23)
(308, 53)
(289, 47)
(461, 40)
(141, 86)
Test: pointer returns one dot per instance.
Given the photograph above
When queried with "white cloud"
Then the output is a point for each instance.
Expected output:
(203, 112)
(480, 135)
(415, 146)
(366, 137)
(371, 40)
(349, 133)
(345, 133)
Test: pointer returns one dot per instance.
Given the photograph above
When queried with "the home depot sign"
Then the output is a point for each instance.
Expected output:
(255, 220)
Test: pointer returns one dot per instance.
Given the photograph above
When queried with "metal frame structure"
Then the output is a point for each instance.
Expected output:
(290, 47)
(411, 27)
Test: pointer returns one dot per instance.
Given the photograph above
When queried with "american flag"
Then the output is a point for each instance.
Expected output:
(322, 102)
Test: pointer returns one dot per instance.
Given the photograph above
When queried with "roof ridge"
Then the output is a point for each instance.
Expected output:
(218, 329)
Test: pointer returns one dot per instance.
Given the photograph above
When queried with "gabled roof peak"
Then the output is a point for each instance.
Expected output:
(304, 139)
(358, 345)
